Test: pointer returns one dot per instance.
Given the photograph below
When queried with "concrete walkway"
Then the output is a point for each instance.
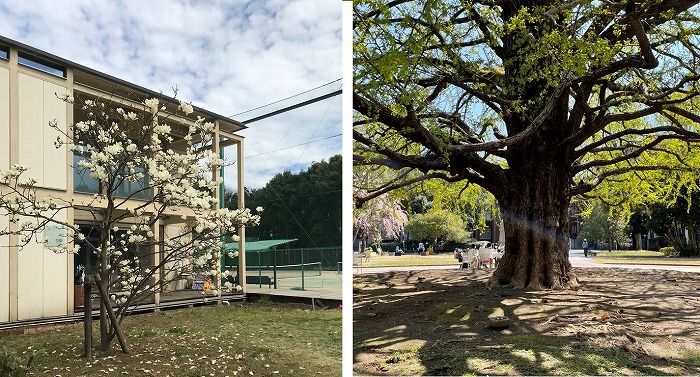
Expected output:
(578, 260)
(575, 256)
(310, 294)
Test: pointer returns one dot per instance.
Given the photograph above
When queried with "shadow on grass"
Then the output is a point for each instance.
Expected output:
(622, 322)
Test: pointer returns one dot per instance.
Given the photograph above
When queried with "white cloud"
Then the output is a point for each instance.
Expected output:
(226, 57)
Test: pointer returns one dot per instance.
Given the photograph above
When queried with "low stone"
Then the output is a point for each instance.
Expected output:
(498, 322)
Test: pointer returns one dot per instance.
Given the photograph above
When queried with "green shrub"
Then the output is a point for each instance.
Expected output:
(12, 365)
(668, 251)
(388, 247)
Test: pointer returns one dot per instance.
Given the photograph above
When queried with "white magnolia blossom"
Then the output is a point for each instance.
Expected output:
(152, 104)
(117, 146)
(67, 96)
(186, 108)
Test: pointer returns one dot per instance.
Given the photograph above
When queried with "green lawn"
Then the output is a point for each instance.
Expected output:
(612, 257)
(642, 257)
(629, 254)
(411, 260)
(224, 340)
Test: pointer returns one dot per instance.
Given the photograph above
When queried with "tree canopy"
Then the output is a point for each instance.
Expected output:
(602, 224)
(306, 205)
(536, 102)
(438, 224)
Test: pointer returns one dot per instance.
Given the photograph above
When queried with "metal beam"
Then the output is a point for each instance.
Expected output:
(298, 105)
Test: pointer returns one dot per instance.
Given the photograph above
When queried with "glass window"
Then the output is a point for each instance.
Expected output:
(136, 190)
(82, 182)
(4, 53)
(81, 178)
(43, 66)
(144, 253)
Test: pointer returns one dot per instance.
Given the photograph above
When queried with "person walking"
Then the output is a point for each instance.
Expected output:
(584, 245)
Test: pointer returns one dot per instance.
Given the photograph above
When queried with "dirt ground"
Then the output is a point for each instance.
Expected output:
(435, 322)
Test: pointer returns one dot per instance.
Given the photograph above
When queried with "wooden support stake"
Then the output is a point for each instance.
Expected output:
(110, 313)
(87, 316)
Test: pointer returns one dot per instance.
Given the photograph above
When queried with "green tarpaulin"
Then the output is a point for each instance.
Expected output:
(257, 245)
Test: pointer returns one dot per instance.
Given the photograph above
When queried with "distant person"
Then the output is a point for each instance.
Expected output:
(584, 245)
(421, 247)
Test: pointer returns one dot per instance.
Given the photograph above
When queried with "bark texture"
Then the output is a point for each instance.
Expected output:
(535, 206)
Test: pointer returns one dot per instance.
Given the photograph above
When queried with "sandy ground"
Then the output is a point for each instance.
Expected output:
(623, 321)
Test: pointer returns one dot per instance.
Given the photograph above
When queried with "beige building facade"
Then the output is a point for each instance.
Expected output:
(35, 282)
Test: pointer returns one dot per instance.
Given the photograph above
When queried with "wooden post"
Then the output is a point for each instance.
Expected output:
(110, 313)
(87, 315)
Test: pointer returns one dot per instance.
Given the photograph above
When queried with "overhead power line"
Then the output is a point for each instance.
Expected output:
(295, 106)
(289, 147)
(284, 99)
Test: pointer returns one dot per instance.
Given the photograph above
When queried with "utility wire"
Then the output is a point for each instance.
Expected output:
(289, 147)
(300, 196)
(278, 194)
(314, 133)
(284, 99)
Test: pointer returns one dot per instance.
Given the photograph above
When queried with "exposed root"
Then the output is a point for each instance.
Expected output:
(570, 282)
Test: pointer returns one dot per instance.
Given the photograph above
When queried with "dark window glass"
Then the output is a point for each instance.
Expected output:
(136, 190)
(3, 53)
(43, 66)
(81, 178)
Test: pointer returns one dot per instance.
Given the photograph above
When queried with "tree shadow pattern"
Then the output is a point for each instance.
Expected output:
(620, 322)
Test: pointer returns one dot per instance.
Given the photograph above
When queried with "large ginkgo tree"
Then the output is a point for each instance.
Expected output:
(535, 101)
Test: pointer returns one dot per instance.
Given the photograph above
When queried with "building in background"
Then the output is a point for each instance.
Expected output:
(35, 282)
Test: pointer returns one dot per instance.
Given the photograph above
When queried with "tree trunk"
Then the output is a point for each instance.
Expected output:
(638, 241)
(534, 206)
(537, 251)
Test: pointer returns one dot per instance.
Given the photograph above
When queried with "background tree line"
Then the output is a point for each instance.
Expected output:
(675, 220)
(306, 206)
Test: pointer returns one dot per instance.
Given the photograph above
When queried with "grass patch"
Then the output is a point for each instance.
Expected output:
(524, 355)
(650, 261)
(442, 259)
(645, 257)
(243, 339)
(630, 254)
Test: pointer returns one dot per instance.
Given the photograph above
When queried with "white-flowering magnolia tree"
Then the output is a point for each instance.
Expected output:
(120, 145)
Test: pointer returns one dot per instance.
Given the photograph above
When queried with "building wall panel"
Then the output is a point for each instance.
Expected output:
(31, 127)
(39, 105)
(30, 285)
(4, 118)
(4, 272)
(55, 289)
(171, 276)
(54, 159)
(42, 281)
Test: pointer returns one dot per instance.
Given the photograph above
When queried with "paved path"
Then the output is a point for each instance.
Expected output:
(310, 293)
(575, 256)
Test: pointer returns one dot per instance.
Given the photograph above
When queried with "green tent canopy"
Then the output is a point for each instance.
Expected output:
(257, 245)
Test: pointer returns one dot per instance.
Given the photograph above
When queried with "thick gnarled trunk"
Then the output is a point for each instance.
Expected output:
(536, 254)
(534, 207)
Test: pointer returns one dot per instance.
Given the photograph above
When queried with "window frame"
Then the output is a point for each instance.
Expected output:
(39, 64)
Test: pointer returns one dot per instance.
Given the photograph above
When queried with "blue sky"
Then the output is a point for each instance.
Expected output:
(225, 56)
